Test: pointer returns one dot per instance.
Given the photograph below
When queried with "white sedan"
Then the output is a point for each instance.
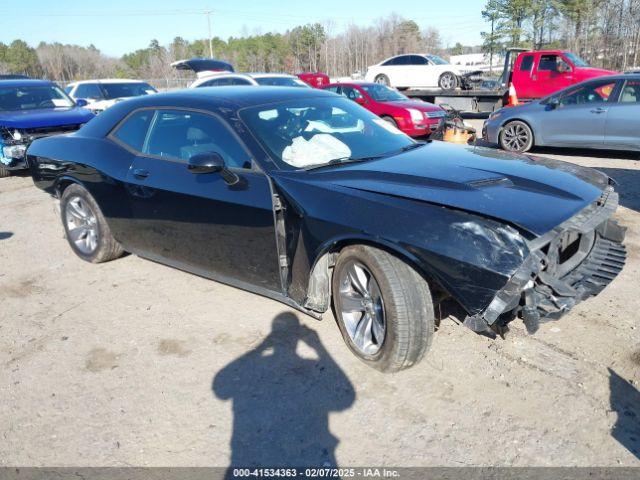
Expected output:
(103, 93)
(415, 71)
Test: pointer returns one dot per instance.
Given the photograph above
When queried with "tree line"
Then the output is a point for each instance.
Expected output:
(604, 32)
(311, 47)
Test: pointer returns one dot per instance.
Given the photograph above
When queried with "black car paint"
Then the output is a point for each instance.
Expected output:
(462, 216)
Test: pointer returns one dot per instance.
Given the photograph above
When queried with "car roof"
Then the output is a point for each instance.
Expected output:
(213, 97)
(265, 75)
(108, 80)
(617, 76)
(209, 75)
(357, 83)
(25, 83)
(204, 98)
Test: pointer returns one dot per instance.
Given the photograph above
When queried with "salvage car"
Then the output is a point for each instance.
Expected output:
(418, 71)
(413, 117)
(102, 94)
(31, 109)
(305, 197)
(603, 114)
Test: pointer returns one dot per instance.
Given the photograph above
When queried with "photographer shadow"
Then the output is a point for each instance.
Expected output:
(281, 401)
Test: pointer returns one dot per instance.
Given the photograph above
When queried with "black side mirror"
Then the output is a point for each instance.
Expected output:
(211, 162)
(553, 103)
(206, 163)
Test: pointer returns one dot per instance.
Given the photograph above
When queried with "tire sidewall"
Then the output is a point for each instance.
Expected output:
(382, 76)
(382, 357)
(529, 144)
(69, 193)
(455, 81)
(390, 120)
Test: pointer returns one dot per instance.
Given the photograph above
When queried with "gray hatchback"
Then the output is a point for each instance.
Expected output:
(599, 113)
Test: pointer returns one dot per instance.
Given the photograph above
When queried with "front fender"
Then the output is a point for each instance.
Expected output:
(468, 256)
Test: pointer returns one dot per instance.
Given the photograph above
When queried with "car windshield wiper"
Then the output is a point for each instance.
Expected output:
(345, 160)
(412, 146)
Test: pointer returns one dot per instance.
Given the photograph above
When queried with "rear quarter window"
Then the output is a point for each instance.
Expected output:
(133, 131)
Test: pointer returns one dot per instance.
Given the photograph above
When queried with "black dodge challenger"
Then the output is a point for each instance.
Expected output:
(307, 198)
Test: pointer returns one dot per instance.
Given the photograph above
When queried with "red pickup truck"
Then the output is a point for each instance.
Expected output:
(542, 72)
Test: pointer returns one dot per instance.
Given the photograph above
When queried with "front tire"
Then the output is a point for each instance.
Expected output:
(85, 227)
(516, 136)
(383, 308)
(390, 120)
(382, 80)
(448, 81)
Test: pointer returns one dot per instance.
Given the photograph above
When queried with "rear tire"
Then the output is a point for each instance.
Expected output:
(85, 227)
(4, 171)
(516, 136)
(397, 309)
(382, 79)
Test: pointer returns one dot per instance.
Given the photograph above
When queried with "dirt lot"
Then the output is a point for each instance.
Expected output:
(134, 363)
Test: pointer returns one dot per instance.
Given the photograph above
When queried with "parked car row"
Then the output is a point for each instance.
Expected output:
(98, 95)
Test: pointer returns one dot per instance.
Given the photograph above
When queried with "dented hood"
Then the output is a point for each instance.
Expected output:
(532, 193)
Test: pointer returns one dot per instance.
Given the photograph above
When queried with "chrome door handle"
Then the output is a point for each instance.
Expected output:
(140, 173)
(599, 110)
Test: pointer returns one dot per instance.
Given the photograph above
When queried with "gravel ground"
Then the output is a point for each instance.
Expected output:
(134, 363)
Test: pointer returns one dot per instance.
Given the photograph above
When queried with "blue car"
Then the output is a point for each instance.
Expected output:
(31, 109)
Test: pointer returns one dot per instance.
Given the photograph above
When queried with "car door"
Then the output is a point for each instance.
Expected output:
(398, 70)
(623, 118)
(199, 222)
(552, 74)
(522, 76)
(420, 72)
(579, 118)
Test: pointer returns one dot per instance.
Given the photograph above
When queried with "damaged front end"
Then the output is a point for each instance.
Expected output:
(572, 262)
(13, 149)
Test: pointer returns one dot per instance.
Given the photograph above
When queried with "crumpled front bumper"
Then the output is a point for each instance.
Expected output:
(574, 261)
(14, 163)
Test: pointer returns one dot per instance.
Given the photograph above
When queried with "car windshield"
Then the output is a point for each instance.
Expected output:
(33, 97)
(280, 82)
(576, 60)
(382, 93)
(437, 60)
(313, 132)
(123, 90)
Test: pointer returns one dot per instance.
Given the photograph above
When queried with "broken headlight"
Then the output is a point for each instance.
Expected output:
(14, 151)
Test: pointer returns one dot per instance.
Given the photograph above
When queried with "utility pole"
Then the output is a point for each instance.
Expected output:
(208, 14)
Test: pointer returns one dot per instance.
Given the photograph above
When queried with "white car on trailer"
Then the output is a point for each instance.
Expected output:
(416, 71)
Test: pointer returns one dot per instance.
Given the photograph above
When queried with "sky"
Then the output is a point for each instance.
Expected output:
(121, 26)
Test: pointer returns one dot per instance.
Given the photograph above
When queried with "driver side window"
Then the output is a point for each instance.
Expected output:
(178, 135)
(351, 93)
